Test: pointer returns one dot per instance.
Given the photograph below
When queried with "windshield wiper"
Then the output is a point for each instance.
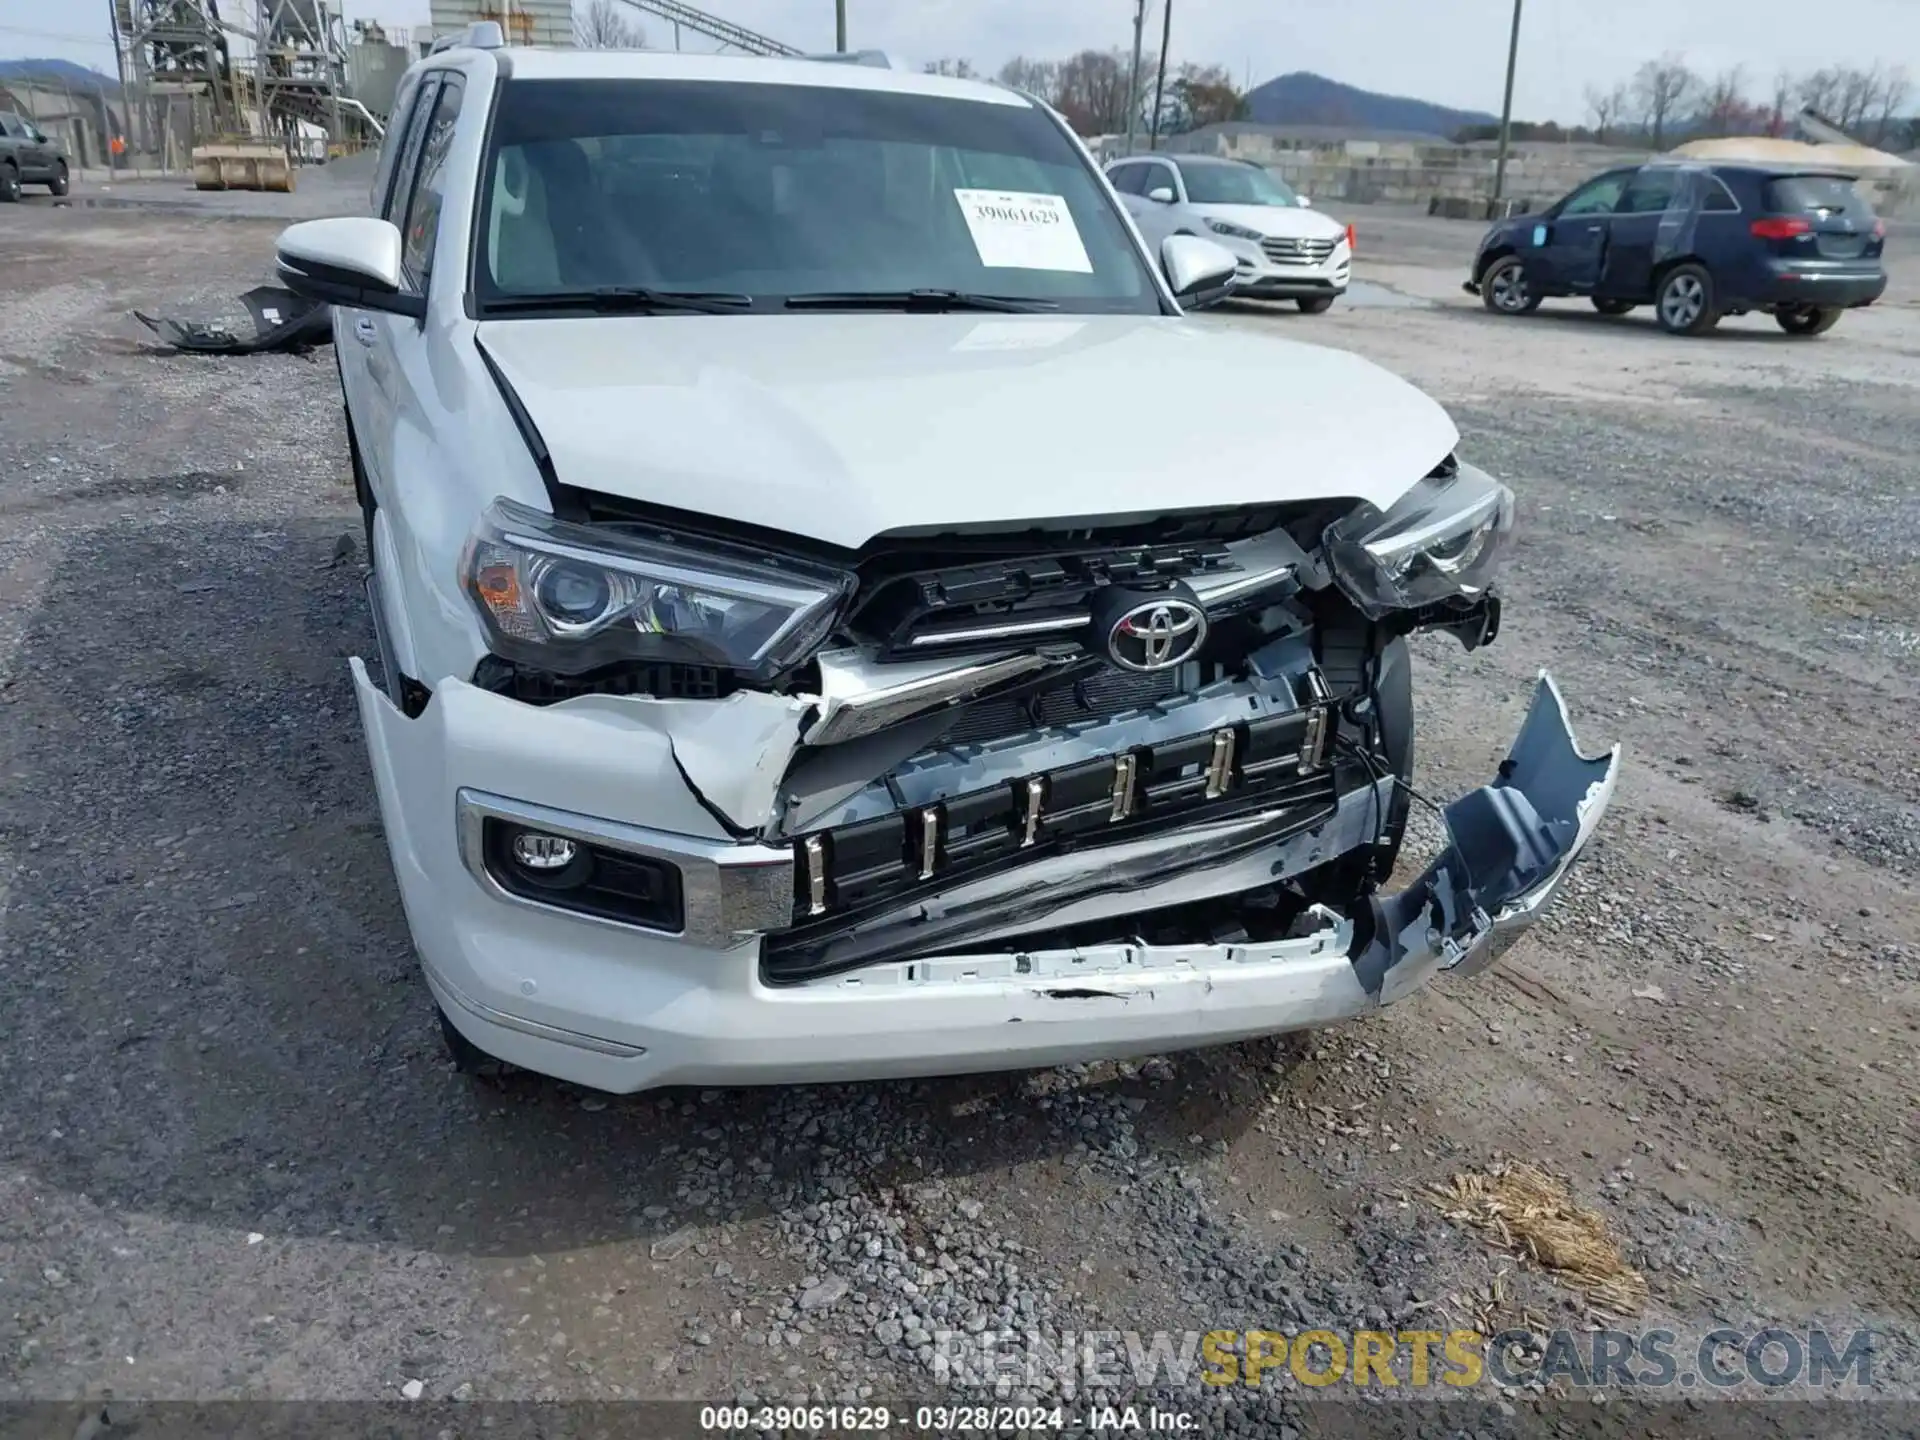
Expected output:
(623, 299)
(928, 300)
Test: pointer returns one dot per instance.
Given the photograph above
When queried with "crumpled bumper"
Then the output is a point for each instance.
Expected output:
(1512, 844)
(621, 1010)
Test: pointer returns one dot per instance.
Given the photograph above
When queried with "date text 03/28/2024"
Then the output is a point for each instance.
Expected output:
(945, 1419)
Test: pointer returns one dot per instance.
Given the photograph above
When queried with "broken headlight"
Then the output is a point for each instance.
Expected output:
(569, 598)
(1442, 539)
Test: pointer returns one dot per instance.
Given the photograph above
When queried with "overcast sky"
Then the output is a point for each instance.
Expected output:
(1450, 51)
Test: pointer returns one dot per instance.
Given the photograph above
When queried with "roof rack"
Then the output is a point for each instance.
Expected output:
(481, 35)
(878, 59)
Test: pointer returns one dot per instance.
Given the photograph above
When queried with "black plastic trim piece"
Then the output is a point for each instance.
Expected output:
(797, 956)
(558, 495)
(600, 881)
(347, 288)
(873, 861)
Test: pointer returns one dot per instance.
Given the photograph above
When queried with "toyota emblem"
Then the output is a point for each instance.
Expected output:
(1157, 635)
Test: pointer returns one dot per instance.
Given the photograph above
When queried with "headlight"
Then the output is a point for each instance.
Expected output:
(571, 597)
(1442, 539)
(1238, 232)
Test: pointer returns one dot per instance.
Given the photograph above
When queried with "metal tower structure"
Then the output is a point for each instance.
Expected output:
(173, 54)
(732, 36)
(300, 52)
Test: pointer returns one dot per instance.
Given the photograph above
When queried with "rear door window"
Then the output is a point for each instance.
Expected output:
(1819, 195)
(1720, 199)
(1649, 192)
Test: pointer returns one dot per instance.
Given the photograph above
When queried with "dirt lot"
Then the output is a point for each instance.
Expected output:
(233, 1160)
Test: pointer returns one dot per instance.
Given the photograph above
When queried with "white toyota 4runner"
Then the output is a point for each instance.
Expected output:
(797, 658)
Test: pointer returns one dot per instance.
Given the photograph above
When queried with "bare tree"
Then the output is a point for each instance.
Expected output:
(1035, 77)
(1783, 84)
(1723, 104)
(1858, 90)
(1092, 90)
(1895, 88)
(959, 69)
(1662, 88)
(1819, 90)
(1608, 108)
(602, 25)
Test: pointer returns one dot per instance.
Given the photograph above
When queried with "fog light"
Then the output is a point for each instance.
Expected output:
(541, 853)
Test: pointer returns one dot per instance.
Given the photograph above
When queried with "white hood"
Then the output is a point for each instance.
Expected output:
(842, 427)
(1290, 222)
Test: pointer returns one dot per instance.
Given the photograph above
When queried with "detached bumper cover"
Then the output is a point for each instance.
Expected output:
(1513, 843)
(620, 1009)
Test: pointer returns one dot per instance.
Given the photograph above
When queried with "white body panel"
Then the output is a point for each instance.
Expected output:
(843, 427)
(836, 428)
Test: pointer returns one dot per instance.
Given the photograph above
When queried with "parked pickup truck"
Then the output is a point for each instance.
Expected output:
(28, 157)
(785, 674)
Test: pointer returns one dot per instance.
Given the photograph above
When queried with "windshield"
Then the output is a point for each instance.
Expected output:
(776, 191)
(1234, 185)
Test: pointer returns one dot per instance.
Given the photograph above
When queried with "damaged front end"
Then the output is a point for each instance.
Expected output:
(1068, 760)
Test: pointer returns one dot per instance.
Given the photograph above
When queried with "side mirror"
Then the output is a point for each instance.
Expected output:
(352, 261)
(1199, 271)
(1303, 202)
(1160, 195)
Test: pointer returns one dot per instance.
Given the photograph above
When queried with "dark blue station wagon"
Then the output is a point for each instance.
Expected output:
(1696, 241)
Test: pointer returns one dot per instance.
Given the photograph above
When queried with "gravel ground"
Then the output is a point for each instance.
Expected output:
(233, 1160)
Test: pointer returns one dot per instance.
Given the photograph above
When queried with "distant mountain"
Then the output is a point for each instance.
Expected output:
(74, 77)
(1303, 98)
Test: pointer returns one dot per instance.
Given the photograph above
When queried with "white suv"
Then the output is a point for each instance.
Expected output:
(779, 678)
(1282, 247)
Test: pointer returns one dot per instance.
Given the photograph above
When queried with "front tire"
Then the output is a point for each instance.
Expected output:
(1611, 307)
(1807, 319)
(1685, 303)
(1504, 288)
(1314, 304)
(62, 181)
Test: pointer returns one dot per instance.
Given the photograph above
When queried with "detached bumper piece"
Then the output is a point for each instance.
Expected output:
(282, 320)
(1278, 762)
(1513, 843)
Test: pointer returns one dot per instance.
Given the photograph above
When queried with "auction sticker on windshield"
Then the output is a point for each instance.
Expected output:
(1023, 230)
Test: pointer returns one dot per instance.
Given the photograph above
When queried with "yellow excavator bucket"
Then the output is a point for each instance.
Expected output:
(241, 167)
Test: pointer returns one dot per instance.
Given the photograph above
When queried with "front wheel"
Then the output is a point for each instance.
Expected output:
(1807, 319)
(1504, 288)
(61, 181)
(1685, 302)
(1315, 304)
(1612, 307)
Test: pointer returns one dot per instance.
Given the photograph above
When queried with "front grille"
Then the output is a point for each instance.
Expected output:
(1027, 599)
(1283, 251)
(874, 865)
(1099, 696)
